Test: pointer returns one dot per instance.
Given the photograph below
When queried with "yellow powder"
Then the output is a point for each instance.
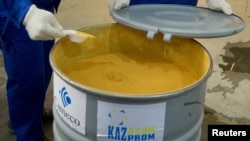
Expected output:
(130, 73)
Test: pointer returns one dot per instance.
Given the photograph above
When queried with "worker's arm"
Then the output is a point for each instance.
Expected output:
(17, 9)
(40, 24)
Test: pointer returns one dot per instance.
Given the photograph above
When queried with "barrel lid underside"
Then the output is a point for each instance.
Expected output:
(178, 20)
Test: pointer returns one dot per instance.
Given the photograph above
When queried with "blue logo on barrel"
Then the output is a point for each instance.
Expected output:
(65, 97)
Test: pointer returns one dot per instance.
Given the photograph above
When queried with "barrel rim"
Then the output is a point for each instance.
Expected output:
(98, 92)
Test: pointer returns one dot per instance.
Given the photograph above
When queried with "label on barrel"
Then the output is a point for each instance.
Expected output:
(123, 122)
(70, 104)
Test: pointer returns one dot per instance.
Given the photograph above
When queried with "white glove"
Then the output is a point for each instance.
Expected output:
(220, 5)
(118, 4)
(42, 25)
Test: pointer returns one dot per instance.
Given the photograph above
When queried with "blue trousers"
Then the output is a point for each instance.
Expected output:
(29, 73)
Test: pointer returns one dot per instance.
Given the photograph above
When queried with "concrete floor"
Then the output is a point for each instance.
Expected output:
(228, 92)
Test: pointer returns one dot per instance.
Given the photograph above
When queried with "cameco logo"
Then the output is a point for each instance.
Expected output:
(65, 97)
(66, 100)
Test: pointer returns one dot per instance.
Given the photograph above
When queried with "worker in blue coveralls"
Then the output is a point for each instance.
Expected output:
(218, 5)
(27, 32)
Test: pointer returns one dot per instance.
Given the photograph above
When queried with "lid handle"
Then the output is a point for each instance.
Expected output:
(167, 37)
(151, 34)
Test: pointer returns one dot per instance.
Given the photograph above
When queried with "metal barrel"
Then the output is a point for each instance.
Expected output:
(86, 113)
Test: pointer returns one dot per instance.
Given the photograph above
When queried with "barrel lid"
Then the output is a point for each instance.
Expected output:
(179, 20)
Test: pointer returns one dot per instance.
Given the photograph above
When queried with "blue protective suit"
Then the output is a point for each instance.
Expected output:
(182, 2)
(27, 67)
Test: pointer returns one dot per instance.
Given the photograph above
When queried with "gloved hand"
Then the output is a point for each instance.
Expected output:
(118, 4)
(220, 5)
(42, 25)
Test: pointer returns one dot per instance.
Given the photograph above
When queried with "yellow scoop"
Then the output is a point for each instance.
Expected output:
(77, 36)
